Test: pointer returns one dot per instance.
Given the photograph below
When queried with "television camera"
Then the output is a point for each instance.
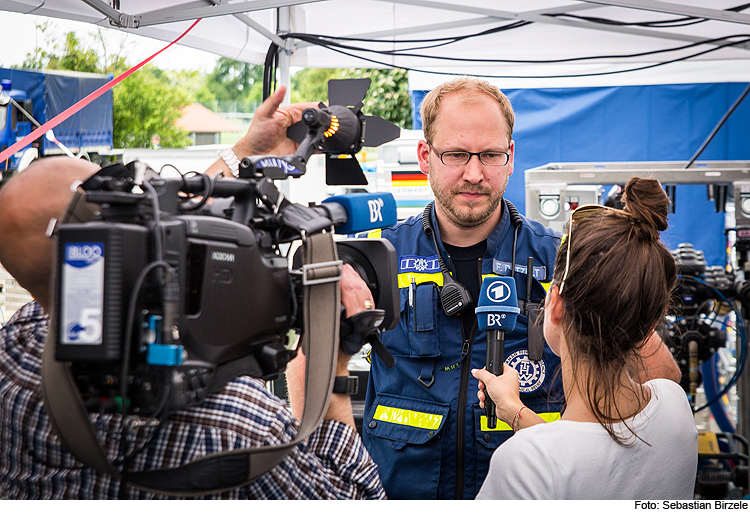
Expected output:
(176, 286)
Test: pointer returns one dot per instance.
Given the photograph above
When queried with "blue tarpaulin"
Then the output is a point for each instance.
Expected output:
(52, 93)
(632, 123)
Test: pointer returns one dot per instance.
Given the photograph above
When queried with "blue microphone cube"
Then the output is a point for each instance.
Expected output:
(497, 308)
(366, 211)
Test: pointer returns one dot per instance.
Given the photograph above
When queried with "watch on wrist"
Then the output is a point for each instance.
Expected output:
(232, 161)
(346, 385)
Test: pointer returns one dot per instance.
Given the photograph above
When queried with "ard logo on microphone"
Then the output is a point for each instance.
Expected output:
(376, 206)
(498, 292)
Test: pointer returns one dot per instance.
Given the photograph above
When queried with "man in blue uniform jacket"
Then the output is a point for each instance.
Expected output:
(423, 424)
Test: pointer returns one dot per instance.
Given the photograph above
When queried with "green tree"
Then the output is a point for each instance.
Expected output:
(75, 57)
(311, 84)
(233, 81)
(146, 104)
(194, 82)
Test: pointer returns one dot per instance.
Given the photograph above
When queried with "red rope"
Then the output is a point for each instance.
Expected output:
(59, 118)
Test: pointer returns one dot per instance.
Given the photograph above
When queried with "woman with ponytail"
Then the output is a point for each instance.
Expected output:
(619, 438)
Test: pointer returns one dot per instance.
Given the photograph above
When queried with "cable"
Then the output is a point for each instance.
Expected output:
(129, 324)
(208, 186)
(339, 48)
(681, 22)
(332, 42)
(741, 356)
(269, 70)
(443, 41)
(677, 22)
(711, 376)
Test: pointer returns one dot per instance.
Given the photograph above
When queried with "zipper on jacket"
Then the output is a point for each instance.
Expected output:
(462, 396)
(461, 415)
(462, 393)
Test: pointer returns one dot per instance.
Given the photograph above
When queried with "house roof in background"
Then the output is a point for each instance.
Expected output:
(198, 118)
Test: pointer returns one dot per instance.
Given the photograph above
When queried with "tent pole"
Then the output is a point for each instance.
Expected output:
(284, 26)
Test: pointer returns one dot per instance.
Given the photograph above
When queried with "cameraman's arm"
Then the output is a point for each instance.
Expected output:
(354, 295)
(267, 132)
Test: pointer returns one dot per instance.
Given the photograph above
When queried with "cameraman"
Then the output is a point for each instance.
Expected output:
(332, 463)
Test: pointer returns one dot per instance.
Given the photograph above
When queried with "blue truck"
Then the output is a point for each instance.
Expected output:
(31, 98)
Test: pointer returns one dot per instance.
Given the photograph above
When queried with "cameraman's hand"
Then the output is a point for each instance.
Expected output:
(355, 295)
(267, 132)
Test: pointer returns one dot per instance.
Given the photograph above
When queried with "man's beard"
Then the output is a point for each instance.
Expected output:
(459, 215)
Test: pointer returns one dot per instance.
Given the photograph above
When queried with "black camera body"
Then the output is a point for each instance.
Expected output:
(156, 309)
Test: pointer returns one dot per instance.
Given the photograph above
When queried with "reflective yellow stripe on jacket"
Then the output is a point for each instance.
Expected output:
(502, 426)
(406, 417)
(432, 422)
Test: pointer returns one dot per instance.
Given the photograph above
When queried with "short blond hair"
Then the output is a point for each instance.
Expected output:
(469, 86)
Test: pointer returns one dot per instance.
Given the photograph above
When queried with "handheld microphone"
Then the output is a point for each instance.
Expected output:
(361, 211)
(496, 311)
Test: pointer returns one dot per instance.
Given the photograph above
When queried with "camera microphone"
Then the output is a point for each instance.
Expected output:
(359, 212)
(496, 311)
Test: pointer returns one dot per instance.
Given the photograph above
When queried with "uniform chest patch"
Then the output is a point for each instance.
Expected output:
(531, 374)
(504, 268)
(417, 264)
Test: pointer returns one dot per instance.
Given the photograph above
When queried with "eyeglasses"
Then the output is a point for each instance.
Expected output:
(580, 214)
(454, 158)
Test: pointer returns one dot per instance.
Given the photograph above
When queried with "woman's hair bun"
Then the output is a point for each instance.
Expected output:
(647, 202)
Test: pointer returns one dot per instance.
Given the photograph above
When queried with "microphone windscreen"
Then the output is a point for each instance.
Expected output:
(497, 308)
(365, 211)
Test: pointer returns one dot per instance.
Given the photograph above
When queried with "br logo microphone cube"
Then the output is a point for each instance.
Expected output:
(496, 311)
(497, 308)
(364, 211)
(376, 206)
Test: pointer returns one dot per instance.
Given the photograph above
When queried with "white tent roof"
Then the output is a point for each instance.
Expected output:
(482, 37)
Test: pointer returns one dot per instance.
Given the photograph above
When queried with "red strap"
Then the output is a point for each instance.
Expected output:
(59, 118)
(514, 426)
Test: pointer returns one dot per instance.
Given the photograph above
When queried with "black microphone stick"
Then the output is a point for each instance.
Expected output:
(494, 362)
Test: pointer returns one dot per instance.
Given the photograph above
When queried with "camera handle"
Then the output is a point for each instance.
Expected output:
(231, 469)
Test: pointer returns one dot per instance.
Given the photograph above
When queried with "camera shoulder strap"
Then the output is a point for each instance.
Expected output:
(227, 470)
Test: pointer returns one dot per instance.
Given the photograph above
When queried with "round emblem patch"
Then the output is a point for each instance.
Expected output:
(531, 374)
(420, 265)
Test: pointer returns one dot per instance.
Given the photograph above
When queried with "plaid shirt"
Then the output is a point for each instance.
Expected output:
(331, 464)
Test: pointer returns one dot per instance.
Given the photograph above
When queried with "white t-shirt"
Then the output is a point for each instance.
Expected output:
(575, 460)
